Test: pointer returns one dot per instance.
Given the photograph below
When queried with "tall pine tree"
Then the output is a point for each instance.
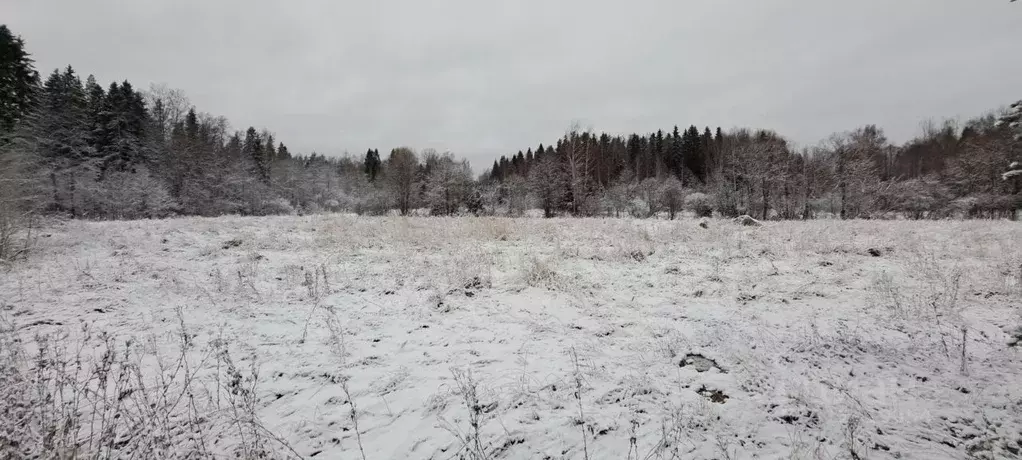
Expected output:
(675, 155)
(692, 155)
(255, 153)
(60, 132)
(271, 150)
(19, 81)
(95, 97)
(372, 164)
(120, 135)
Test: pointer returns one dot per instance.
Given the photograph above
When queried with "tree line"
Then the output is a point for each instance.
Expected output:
(74, 147)
(948, 170)
(71, 146)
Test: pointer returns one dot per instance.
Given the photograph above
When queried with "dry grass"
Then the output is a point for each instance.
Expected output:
(790, 309)
(91, 395)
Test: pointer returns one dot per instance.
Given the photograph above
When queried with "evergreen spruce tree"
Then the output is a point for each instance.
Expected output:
(692, 153)
(95, 97)
(156, 132)
(518, 163)
(255, 153)
(19, 81)
(708, 151)
(605, 167)
(192, 125)
(505, 167)
(657, 149)
(495, 171)
(235, 148)
(249, 144)
(675, 154)
(371, 165)
(634, 147)
(271, 151)
(158, 120)
(120, 132)
(60, 132)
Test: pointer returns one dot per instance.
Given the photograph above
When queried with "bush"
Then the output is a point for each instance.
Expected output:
(700, 204)
(373, 204)
(966, 206)
(275, 206)
(638, 208)
(332, 205)
(19, 199)
(915, 198)
(672, 196)
(15, 232)
(122, 195)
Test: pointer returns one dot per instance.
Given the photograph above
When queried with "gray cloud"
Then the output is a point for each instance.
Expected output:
(483, 78)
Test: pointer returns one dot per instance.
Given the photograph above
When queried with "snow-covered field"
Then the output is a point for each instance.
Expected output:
(580, 338)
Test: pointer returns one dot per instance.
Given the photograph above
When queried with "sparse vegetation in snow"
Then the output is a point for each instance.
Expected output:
(321, 337)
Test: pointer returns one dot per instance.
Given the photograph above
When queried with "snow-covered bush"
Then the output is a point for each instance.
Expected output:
(121, 195)
(648, 192)
(966, 206)
(538, 273)
(617, 199)
(984, 205)
(375, 203)
(637, 207)
(672, 196)
(275, 206)
(699, 203)
(18, 190)
(332, 205)
(915, 198)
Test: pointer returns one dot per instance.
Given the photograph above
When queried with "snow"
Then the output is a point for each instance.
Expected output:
(790, 340)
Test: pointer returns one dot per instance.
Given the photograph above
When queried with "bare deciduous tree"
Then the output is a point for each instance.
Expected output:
(649, 192)
(173, 106)
(516, 195)
(620, 193)
(448, 184)
(672, 196)
(578, 163)
(402, 167)
(548, 184)
(855, 172)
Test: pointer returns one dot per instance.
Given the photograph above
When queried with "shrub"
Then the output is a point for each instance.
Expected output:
(373, 204)
(19, 195)
(121, 195)
(700, 204)
(275, 206)
(672, 196)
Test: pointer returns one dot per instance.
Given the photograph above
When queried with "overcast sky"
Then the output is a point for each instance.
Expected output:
(481, 78)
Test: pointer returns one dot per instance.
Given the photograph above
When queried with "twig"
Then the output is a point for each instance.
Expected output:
(578, 399)
(470, 395)
(341, 352)
(354, 415)
(965, 357)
